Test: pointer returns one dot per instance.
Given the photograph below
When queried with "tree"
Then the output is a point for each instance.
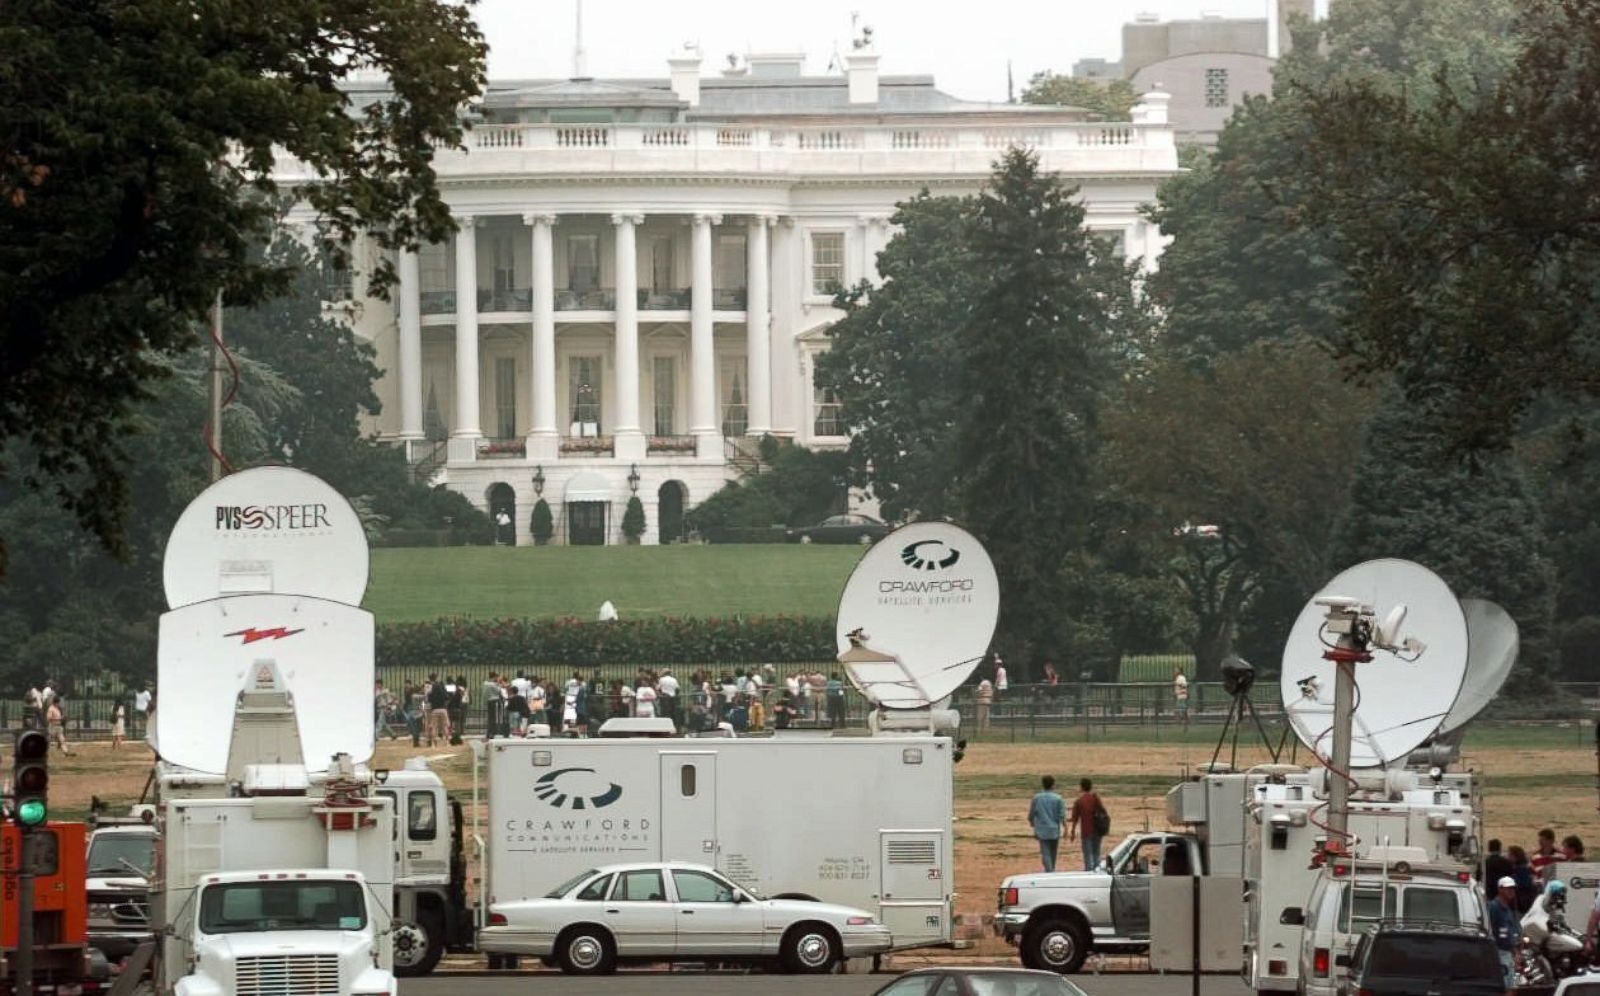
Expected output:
(140, 140)
(1250, 448)
(799, 487)
(1036, 354)
(633, 520)
(1112, 100)
(1476, 524)
(892, 359)
(542, 525)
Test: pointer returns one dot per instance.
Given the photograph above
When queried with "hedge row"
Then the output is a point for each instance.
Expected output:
(516, 643)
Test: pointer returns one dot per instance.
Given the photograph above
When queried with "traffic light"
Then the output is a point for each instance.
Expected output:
(30, 778)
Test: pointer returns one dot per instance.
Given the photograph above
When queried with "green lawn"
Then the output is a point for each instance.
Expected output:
(414, 584)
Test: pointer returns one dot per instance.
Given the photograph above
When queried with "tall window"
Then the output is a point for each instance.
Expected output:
(505, 263)
(735, 412)
(1216, 88)
(664, 381)
(827, 262)
(661, 263)
(825, 407)
(583, 390)
(727, 269)
(583, 262)
(505, 397)
(336, 284)
(432, 272)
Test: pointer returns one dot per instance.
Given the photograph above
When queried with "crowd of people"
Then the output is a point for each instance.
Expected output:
(44, 707)
(1530, 872)
(433, 710)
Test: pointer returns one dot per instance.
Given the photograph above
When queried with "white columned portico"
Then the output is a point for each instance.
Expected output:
(543, 443)
(410, 349)
(628, 441)
(464, 437)
(703, 423)
(758, 327)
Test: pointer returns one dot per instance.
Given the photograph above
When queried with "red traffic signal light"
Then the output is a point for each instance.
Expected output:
(30, 777)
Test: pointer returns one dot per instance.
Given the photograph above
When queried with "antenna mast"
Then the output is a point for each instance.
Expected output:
(579, 67)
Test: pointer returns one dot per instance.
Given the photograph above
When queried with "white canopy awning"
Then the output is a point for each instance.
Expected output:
(588, 486)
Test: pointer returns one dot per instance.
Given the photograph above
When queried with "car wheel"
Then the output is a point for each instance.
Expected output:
(810, 949)
(1055, 946)
(418, 946)
(586, 951)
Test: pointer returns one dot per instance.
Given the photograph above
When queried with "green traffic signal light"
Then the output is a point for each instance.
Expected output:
(30, 812)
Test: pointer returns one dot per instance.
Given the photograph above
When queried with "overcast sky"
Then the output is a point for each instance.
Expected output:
(965, 51)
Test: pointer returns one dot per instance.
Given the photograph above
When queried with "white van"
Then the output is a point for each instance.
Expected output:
(1349, 896)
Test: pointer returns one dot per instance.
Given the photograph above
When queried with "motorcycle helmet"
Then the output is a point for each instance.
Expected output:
(1555, 894)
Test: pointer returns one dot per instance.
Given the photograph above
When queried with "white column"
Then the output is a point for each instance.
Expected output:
(703, 423)
(628, 442)
(544, 443)
(410, 348)
(467, 431)
(787, 292)
(758, 327)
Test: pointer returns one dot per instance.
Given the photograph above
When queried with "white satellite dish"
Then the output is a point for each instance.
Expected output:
(1402, 696)
(267, 529)
(322, 649)
(926, 601)
(1492, 645)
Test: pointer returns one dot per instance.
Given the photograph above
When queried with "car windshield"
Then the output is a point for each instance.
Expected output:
(251, 907)
(1434, 957)
(111, 854)
(1019, 984)
(1120, 851)
(569, 884)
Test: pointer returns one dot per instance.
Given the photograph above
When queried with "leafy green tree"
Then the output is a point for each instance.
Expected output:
(1476, 525)
(1112, 100)
(1036, 358)
(892, 360)
(800, 487)
(633, 520)
(140, 140)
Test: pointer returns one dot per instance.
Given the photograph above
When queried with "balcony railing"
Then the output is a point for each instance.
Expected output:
(598, 299)
(664, 300)
(505, 300)
(666, 445)
(728, 298)
(586, 445)
(438, 302)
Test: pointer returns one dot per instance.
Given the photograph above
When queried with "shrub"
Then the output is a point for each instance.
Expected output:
(542, 525)
(568, 642)
(633, 520)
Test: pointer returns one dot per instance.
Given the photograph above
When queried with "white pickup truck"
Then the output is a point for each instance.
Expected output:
(1057, 918)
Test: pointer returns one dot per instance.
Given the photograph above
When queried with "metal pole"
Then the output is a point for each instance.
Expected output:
(24, 986)
(1194, 934)
(1344, 692)
(216, 387)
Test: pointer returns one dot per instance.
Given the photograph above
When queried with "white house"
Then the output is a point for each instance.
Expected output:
(645, 267)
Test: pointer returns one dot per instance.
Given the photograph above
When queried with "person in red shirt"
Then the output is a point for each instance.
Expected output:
(1080, 822)
(1546, 854)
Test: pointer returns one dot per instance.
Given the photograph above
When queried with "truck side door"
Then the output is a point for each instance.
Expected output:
(1130, 885)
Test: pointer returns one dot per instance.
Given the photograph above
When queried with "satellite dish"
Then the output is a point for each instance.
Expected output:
(208, 651)
(922, 603)
(267, 529)
(1492, 645)
(1402, 696)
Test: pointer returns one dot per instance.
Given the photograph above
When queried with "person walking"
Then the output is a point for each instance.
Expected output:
(667, 696)
(119, 714)
(56, 723)
(835, 689)
(438, 711)
(1180, 694)
(985, 703)
(1046, 813)
(414, 713)
(1001, 680)
(1506, 927)
(1085, 823)
(33, 708)
(141, 706)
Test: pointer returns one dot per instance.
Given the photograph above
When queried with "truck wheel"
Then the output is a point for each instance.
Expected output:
(586, 951)
(418, 945)
(809, 949)
(1055, 946)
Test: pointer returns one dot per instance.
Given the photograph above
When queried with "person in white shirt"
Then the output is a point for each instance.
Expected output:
(667, 695)
(628, 700)
(536, 703)
(1000, 682)
(644, 701)
(521, 683)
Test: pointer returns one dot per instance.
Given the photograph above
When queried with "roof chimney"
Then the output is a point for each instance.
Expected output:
(685, 68)
(861, 69)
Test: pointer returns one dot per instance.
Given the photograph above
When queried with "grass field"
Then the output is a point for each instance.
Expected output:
(417, 584)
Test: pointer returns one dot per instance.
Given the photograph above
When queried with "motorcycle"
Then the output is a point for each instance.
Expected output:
(1551, 950)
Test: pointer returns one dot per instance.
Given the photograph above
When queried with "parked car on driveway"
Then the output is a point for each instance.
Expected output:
(1397, 958)
(852, 528)
(672, 911)
(979, 982)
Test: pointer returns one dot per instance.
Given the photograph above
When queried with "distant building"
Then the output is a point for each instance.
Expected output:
(1208, 64)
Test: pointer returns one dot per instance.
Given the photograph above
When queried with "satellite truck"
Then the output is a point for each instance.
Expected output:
(860, 820)
(1256, 840)
(278, 858)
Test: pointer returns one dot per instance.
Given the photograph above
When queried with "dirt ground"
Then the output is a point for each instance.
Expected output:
(1528, 780)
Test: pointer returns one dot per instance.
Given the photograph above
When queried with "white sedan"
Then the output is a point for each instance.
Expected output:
(676, 912)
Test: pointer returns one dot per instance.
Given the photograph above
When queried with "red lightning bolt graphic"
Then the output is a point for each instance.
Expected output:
(252, 634)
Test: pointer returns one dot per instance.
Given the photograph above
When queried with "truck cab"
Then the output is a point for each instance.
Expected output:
(1057, 918)
(291, 931)
(120, 864)
(431, 912)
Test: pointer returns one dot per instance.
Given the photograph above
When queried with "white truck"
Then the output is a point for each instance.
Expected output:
(771, 814)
